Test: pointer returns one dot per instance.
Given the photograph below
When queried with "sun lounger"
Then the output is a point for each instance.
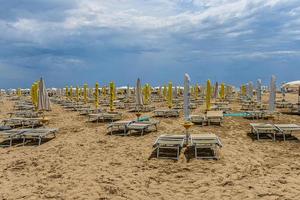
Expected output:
(38, 134)
(169, 143)
(23, 122)
(105, 117)
(262, 128)
(214, 117)
(287, 129)
(25, 114)
(11, 135)
(206, 141)
(166, 113)
(198, 119)
(118, 126)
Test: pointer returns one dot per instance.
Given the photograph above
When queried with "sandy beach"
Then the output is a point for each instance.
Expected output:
(85, 162)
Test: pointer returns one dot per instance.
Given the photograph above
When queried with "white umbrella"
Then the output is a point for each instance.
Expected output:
(258, 91)
(272, 94)
(186, 97)
(138, 93)
(44, 101)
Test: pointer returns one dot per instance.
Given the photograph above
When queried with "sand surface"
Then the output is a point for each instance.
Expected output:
(84, 162)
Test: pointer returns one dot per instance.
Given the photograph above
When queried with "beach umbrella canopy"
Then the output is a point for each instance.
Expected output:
(186, 97)
(43, 98)
(138, 93)
(292, 85)
(272, 97)
(208, 94)
(258, 91)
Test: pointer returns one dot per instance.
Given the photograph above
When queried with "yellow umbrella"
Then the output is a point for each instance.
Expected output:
(170, 95)
(19, 92)
(97, 95)
(165, 91)
(111, 99)
(32, 94)
(208, 95)
(104, 91)
(85, 93)
(222, 92)
(77, 93)
(244, 90)
(196, 91)
(67, 91)
(71, 92)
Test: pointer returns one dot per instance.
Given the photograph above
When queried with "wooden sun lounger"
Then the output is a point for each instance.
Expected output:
(166, 113)
(169, 142)
(287, 129)
(214, 117)
(25, 114)
(198, 119)
(206, 141)
(262, 128)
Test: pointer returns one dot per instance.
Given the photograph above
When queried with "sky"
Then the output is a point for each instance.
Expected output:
(72, 42)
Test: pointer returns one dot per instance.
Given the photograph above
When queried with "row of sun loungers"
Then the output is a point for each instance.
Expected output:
(273, 130)
(169, 146)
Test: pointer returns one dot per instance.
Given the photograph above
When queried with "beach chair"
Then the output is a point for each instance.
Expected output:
(11, 135)
(215, 117)
(142, 126)
(166, 113)
(119, 126)
(38, 134)
(287, 129)
(263, 129)
(202, 142)
(198, 119)
(104, 117)
(166, 144)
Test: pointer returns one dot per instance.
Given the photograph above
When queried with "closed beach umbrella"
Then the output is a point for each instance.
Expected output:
(104, 91)
(186, 97)
(222, 91)
(85, 93)
(208, 94)
(77, 93)
(96, 95)
(111, 96)
(71, 92)
(138, 93)
(216, 90)
(272, 94)
(67, 91)
(43, 98)
(170, 95)
(165, 91)
(258, 91)
(175, 92)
